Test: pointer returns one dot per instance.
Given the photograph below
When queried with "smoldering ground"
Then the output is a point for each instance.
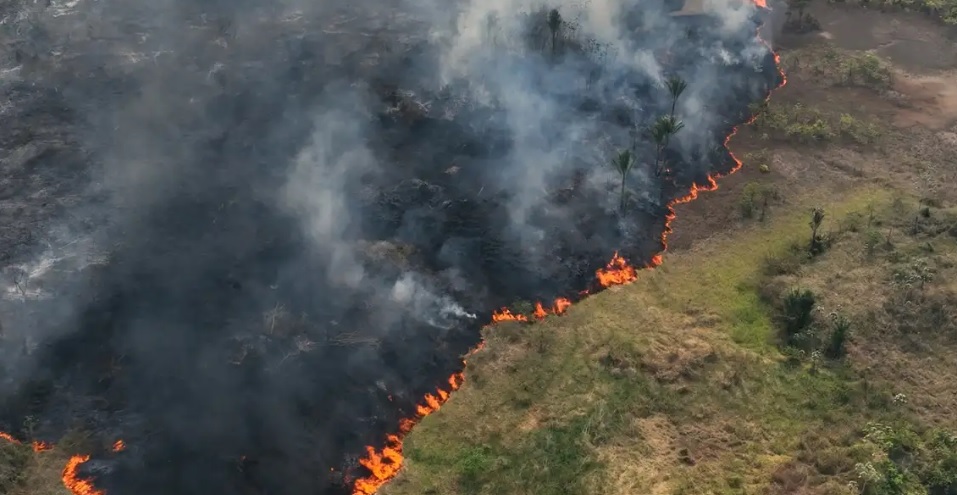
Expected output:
(247, 236)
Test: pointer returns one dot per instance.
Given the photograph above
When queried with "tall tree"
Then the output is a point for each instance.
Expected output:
(676, 86)
(661, 132)
(623, 163)
(554, 24)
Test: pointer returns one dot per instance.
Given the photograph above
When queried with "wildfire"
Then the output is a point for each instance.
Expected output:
(505, 314)
(38, 446)
(616, 272)
(73, 482)
(561, 305)
(384, 464)
(712, 181)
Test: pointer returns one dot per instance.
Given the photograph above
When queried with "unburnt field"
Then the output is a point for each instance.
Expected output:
(760, 357)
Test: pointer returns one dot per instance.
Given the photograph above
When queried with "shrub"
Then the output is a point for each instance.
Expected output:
(840, 328)
(867, 70)
(797, 313)
(856, 130)
(755, 198)
(872, 239)
(785, 263)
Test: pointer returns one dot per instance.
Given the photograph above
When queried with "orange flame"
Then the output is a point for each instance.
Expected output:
(505, 314)
(561, 305)
(616, 272)
(383, 464)
(540, 312)
(37, 445)
(72, 481)
(712, 183)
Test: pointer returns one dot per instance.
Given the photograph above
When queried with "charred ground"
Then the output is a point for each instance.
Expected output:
(247, 237)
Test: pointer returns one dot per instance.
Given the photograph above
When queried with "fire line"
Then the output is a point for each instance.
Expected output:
(384, 463)
(70, 477)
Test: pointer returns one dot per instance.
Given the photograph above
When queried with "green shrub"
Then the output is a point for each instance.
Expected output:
(872, 239)
(857, 131)
(905, 462)
(866, 70)
(755, 198)
(797, 313)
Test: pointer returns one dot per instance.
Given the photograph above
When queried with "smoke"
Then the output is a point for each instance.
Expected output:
(247, 236)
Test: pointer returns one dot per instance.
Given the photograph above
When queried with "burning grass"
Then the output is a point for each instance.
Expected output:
(674, 384)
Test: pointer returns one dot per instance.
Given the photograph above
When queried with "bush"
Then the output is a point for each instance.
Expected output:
(785, 263)
(755, 198)
(904, 461)
(797, 313)
(857, 131)
(872, 239)
(840, 328)
(867, 70)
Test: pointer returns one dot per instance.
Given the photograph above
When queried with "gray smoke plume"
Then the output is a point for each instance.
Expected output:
(248, 236)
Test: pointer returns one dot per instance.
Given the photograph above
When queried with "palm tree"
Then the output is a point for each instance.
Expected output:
(661, 132)
(676, 86)
(623, 163)
(554, 24)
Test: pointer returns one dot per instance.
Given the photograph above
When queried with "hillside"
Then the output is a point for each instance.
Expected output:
(717, 372)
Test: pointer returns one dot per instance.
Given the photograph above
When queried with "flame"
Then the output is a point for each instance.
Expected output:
(712, 180)
(72, 481)
(505, 314)
(8, 437)
(37, 445)
(616, 272)
(561, 305)
(383, 464)
(540, 312)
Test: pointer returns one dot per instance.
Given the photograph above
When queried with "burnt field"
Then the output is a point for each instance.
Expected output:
(246, 237)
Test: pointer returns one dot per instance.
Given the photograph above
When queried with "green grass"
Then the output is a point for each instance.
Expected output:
(725, 278)
(558, 407)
